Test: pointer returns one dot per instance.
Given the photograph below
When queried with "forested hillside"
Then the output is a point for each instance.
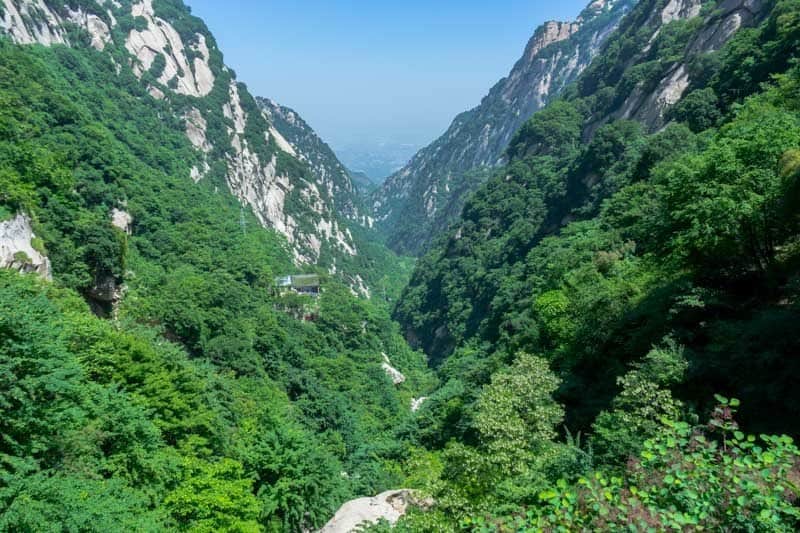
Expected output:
(200, 400)
(606, 339)
(629, 263)
(158, 48)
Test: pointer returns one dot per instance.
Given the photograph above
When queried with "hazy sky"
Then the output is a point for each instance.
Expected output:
(361, 71)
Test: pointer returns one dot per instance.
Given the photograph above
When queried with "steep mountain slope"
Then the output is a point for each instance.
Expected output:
(417, 203)
(308, 147)
(175, 57)
(623, 294)
(160, 381)
(565, 160)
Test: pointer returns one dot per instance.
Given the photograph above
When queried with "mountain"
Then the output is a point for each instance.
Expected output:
(363, 182)
(620, 298)
(609, 327)
(157, 377)
(307, 197)
(635, 86)
(419, 202)
(305, 144)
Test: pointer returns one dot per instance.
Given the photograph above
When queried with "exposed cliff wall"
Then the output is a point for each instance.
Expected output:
(295, 135)
(159, 38)
(305, 195)
(418, 202)
(19, 250)
(649, 101)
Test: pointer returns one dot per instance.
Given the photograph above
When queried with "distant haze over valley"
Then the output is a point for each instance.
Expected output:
(377, 160)
(335, 278)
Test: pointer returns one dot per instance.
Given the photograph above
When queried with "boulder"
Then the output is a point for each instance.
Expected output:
(18, 250)
(390, 506)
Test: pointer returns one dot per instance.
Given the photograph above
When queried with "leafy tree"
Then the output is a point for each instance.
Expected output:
(724, 204)
(515, 423)
(644, 401)
(214, 497)
(698, 110)
(686, 479)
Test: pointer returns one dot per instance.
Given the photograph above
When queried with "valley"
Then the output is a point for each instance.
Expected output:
(576, 310)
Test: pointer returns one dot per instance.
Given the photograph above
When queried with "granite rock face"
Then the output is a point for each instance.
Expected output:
(650, 107)
(430, 190)
(18, 250)
(390, 506)
(270, 159)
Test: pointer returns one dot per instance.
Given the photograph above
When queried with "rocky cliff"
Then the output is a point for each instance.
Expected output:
(20, 249)
(662, 52)
(305, 195)
(707, 26)
(307, 146)
(419, 202)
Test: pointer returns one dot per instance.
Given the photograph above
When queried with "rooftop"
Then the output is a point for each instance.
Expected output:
(298, 281)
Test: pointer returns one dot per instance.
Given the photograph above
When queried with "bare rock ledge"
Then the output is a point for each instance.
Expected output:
(390, 506)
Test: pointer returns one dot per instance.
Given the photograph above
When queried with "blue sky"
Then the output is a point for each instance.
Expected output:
(366, 71)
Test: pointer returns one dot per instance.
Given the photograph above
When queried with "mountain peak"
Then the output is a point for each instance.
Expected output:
(265, 154)
(431, 188)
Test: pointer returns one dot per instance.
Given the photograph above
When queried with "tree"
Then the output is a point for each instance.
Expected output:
(698, 110)
(724, 205)
(643, 403)
(687, 479)
(515, 422)
(214, 496)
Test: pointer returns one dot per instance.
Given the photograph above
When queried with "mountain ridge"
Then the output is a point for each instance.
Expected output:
(432, 187)
(175, 57)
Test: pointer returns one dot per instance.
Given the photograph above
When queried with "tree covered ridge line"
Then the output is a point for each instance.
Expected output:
(647, 272)
(203, 406)
(421, 200)
(601, 293)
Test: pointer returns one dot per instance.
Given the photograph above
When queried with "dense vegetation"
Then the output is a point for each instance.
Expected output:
(598, 296)
(643, 273)
(205, 405)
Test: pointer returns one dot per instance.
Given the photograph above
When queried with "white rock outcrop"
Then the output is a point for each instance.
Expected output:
(390, 506)
(281, 141)
(122, 220)
(396, 376)
(263, 187)
(99, 30)
(650, 108)
(32, 21)
(16, 248)
(233, 110)
(359, 287)
(160, 38)
(680, 9)
(196, 127)
(416, 403)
